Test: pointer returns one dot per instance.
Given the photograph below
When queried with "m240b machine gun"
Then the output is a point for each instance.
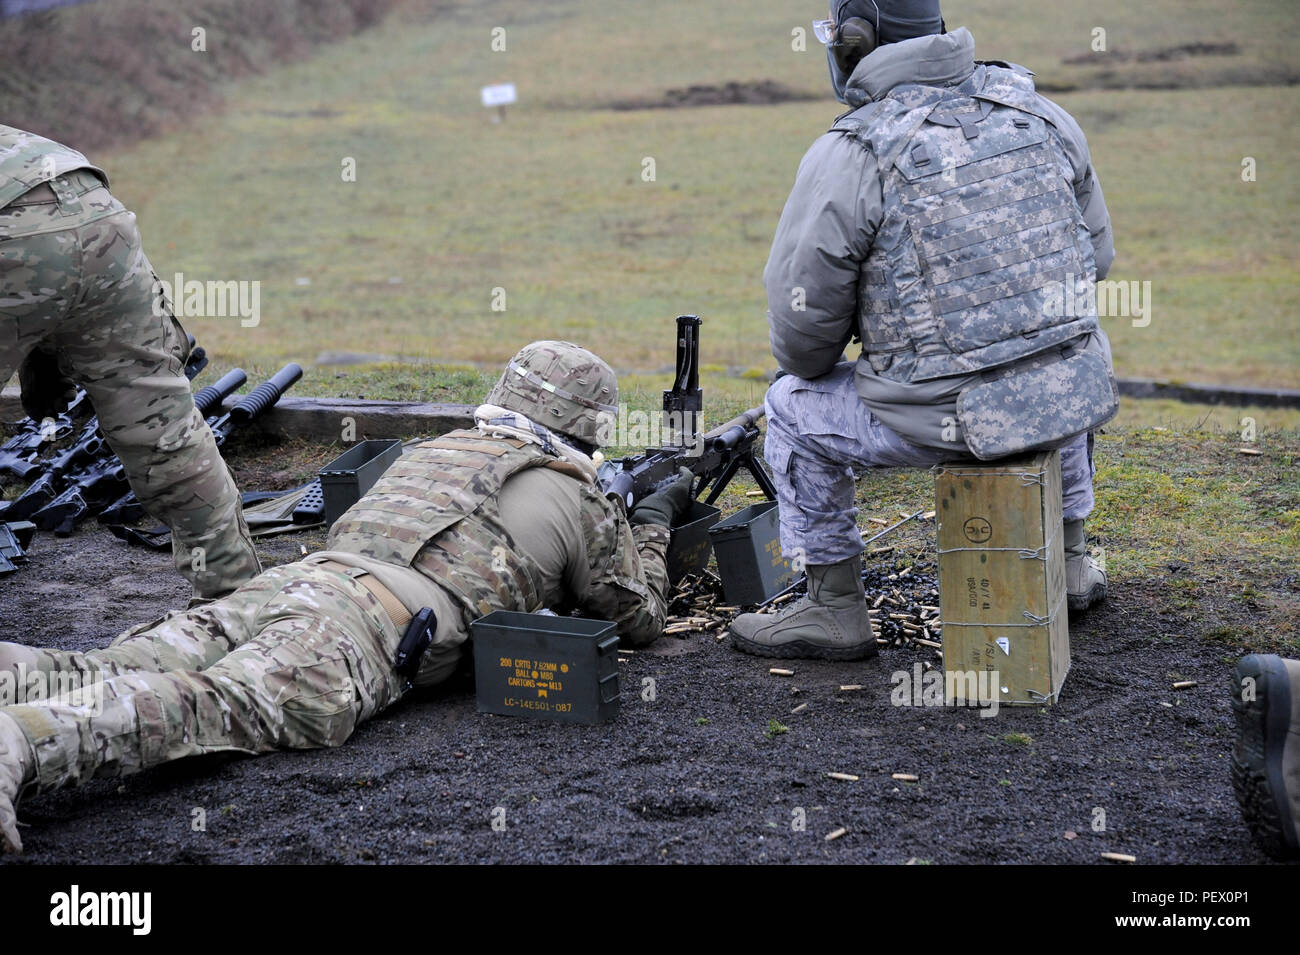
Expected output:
(713, 457)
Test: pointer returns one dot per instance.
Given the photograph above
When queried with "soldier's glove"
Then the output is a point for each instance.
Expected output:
(664, 507)
(47, 392)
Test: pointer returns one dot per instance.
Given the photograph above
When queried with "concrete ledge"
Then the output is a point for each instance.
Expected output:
(1194, 393)
(323, 418)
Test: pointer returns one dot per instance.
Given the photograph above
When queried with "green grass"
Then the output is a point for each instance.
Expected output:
(776, 728)
(551, 207)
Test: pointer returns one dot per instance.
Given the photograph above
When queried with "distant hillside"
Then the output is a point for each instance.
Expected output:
(109, 72)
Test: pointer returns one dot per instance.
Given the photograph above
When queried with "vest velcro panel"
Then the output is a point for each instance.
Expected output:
(993, 183)
(980, 231)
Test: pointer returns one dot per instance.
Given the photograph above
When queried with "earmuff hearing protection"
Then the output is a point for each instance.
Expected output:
(853, 39)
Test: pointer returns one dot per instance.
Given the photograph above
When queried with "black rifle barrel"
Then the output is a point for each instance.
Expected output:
(267, 393)
(208, 400)
(726, 436)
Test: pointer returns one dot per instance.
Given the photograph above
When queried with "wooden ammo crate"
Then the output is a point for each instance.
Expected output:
(1002, 580)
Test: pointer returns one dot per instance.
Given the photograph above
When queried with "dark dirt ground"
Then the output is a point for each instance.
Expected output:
(693, 775)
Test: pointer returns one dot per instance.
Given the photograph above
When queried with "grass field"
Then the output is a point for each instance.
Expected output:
(551, 206)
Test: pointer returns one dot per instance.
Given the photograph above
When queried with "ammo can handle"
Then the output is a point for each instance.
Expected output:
(604, 648)
(604, 680)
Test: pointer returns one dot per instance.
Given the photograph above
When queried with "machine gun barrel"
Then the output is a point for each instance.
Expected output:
(726, 436)
(713, 458)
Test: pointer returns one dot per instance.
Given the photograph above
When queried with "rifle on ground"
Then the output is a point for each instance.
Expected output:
(713, 457)
(90, 451)
(209, 400)
(254, 404)
(18, 455)
(94, 487)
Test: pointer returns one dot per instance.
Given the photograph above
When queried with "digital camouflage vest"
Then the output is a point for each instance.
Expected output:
(27, 160)
(980, 223)
(435, 509)
(980, 238)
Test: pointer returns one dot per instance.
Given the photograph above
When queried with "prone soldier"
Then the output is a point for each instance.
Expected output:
(79, 302)
(505, 516)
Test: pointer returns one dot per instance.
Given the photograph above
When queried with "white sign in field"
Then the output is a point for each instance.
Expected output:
(502, 94)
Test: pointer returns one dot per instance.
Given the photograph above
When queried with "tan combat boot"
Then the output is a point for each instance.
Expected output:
(1085, 581)
(1266, 756)
(17, 769)
(831, 623)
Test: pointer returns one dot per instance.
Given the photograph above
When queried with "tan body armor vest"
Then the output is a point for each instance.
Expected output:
(435, 510)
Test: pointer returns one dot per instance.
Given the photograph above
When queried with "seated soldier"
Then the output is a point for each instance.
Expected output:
(504, 516)
(943, 221)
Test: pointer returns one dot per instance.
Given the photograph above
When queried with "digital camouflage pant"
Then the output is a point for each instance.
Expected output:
(295, 659)
(819, 433)
(74, 278)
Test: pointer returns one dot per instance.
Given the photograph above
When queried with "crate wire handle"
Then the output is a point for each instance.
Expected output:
(1027, 478)
(1025, 554)
(1034, 619)
(1039, 553)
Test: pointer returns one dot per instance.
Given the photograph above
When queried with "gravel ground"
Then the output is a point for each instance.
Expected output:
(1122, 764)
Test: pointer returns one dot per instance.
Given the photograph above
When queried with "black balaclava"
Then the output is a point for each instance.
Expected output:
(889, 20)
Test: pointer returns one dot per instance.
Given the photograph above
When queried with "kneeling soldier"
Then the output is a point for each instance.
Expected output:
(79, 303)
(504, 516)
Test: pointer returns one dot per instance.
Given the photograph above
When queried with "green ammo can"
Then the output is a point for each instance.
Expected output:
(750, 562)
(546, 667)
(345, 479)
(689, 551)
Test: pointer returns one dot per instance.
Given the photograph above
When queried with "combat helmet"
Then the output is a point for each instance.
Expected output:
(562, 386)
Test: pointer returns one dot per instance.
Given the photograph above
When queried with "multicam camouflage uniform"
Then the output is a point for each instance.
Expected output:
(942, 221)
(74, 279)
(506, 516)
